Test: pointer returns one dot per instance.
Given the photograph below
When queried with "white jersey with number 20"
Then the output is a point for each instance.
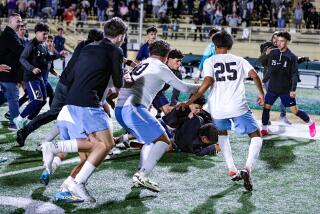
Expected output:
(227, 98)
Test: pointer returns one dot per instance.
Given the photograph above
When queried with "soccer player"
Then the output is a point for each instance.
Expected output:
(60, 94)
(132, 109)
(82, 118)
(265, 50)
(34, 59)
(225, 74)
(283, 75)
(144, 52)
(210, 51)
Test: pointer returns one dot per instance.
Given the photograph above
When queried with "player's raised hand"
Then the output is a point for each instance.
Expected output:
(260, 100)
(182, 105)
(36, 71)
(5, 68)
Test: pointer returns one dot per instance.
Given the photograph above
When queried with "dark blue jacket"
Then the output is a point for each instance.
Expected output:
(144, 52)
(282, 71)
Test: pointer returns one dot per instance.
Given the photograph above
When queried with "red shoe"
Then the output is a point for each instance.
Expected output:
(264, 132)
(312, 129)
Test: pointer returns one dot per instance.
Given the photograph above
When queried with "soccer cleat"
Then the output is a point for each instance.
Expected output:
(264, 132)
(312, 129)
(7, 115)
(67, 197)
(285, 120)
(47, 155)
(235, 176)
(21, 137)
(247, 182)
(18, 122)
(139, 180)
(81, 191)
(44, 177)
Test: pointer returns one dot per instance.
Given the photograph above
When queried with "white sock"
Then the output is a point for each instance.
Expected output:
(224, 143)
(254, 150)
(66, 182)
(19, 118)
(67, 146)
(264, 127)
(310, 122)
(156, 152)
(85, 172)
(55, 163)
(144, 154)
(54, 132)
(125, 137)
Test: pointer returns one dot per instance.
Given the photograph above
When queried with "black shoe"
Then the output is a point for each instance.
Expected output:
(7, 115)
(247, 182)
(21, 137)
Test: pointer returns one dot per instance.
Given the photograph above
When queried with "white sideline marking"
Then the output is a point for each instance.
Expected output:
(294, 130)
(73, 160)
(31, 206)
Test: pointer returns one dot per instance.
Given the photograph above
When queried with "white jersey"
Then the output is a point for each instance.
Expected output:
(149, 78)
(227, 98)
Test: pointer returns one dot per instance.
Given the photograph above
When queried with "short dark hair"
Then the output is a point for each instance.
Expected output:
(152, 29)
(200, 101)
(210, 131)
(115, 27)
(159, 48)
(41, 27)
(50, 37)
(95, 35)
(285, 35)
(60, 29)
(175, 54)
(14, 14)
(213, 31)
(222, 39)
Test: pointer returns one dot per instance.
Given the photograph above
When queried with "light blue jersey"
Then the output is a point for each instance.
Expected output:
(210, 51)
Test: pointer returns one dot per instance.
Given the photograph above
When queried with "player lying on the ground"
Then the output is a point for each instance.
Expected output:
(225, 74)
(191, 133)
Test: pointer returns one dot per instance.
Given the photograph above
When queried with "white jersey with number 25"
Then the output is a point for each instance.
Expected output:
(227, 98)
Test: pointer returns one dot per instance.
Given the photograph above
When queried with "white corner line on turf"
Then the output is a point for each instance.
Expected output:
(30, 206)
(73, 160)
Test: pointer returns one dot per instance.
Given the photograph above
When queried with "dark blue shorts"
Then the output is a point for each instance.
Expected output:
(160, 100)
(36, 90)
(286, 100)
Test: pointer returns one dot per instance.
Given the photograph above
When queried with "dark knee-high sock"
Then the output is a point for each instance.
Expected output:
(303, 115)
(265, 116)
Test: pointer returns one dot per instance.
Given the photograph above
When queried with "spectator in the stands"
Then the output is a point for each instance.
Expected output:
(298, 15)
(176, 8)
(198, 21)
(102, 5)
(123, 10)
(12, 6)
(156, 4)
(190, 7)
(234, 20)
(282, 10)
(306, 7)
(82, 17)
(313, 19)
(68, 16)
(134, 15)
(175, 28)
(59, 42)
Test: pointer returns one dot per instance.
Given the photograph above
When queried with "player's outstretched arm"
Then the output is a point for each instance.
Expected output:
(207, 82)
(257, 81)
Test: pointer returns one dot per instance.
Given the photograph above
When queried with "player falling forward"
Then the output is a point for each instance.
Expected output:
(83, 119)
(225, 73)
(132, 109)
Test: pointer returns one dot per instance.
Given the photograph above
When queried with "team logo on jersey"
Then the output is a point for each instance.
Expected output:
(38, 94)
(285, 64)
(274, 62)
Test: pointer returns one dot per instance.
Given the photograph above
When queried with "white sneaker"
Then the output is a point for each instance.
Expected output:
(48, 154)
(19, 122)
(139, 180)
(81, 191)
(65, 186)
(285, 120)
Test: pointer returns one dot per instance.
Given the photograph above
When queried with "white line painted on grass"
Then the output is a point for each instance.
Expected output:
(73, 160)
(31, 206)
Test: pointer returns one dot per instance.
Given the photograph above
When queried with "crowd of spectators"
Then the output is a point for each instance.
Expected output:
(273, 13)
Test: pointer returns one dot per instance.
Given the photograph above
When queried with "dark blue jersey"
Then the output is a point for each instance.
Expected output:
(144, 52)
(282, 71)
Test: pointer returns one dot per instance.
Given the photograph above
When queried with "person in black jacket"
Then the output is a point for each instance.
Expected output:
(10, 51)
(194, 132)
(283, 75)
(35, 58)
(61, 91)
